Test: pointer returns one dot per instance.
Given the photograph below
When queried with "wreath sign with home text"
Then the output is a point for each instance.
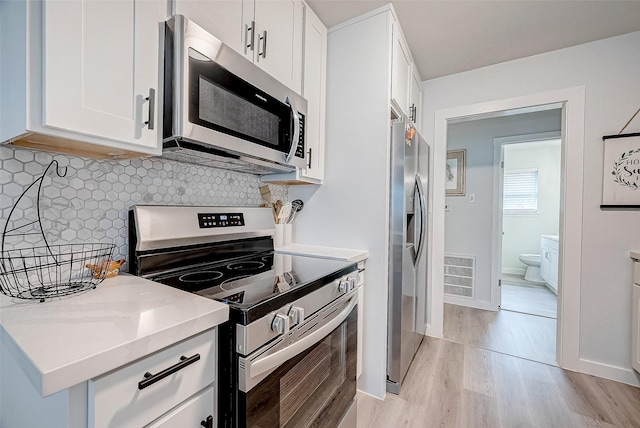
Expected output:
(620, 170)
(619, 183)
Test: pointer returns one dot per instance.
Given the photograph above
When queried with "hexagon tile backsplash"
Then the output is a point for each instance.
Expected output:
(91, 203)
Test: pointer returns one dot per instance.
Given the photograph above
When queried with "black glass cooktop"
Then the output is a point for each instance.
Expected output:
(257, 284)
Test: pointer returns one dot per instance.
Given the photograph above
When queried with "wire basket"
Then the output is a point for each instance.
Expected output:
(46, 271)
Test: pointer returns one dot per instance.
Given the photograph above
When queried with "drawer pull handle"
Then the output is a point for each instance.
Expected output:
(208, 423)
(150, 379)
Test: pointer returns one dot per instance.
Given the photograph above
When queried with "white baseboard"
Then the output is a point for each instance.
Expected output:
(477, 304)
(619, 374)
(514, 271)
(428, 331)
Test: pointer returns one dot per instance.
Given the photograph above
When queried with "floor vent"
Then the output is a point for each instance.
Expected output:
(459, 275)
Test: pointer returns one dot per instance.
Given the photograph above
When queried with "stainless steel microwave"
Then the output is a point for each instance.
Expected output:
(222, 110)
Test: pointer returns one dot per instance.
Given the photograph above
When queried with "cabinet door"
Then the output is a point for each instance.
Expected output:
(278, 40)
(314, 90)
(415, 101)
(545, 262)
(553, 270)
(100, 64)
(222, 18)
(401, 71)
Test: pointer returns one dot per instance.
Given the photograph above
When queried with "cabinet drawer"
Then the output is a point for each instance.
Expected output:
(190, 414)
(116, 400)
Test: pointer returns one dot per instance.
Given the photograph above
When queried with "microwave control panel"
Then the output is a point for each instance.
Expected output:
(207, 221)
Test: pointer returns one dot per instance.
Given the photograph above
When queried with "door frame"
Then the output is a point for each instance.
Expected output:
(571, 211)
(498, 211)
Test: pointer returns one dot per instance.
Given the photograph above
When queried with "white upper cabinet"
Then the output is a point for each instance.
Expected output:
(88, 73)
(267, 32)
(415, 97)
(101, 68)
(223, 19)
(314, 88)
(400, 72)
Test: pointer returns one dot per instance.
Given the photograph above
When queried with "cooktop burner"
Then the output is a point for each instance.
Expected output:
(246, 265)
(256, 285)
(202, 276)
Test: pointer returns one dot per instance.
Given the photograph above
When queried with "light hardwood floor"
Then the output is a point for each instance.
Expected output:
(521, 335)
(529, 299)
(454, 385)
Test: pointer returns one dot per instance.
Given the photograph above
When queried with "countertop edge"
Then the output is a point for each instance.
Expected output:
(634, 254)
(332, 253)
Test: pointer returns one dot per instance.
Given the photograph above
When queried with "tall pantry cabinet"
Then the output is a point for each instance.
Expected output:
(350, 209)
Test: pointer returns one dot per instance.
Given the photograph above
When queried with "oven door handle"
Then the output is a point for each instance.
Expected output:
(264, 364)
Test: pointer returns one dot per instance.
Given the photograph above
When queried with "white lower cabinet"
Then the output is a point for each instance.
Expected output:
(143, 391)
(190, 414)
(549, 262)
(635, 319)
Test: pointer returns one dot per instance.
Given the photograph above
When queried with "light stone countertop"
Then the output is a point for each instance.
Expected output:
(68, 340)
(634, 254)
(324, 252)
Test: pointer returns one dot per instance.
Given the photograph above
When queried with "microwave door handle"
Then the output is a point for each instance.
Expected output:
(421, 200)
(296, 131)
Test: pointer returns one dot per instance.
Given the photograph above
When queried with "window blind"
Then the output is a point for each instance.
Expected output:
(520, 191)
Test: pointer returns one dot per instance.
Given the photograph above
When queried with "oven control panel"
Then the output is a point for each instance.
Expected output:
(207, 221)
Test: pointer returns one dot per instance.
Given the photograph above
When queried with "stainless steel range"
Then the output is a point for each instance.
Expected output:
(287, 356)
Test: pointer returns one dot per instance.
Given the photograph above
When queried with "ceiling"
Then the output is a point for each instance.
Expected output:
(447, 37)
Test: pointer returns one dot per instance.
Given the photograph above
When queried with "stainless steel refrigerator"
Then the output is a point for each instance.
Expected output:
(407, 240)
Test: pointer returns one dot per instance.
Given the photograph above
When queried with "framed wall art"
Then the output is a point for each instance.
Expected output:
(455, 180)
(621, 172)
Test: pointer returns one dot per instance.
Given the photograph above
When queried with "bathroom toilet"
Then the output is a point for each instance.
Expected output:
(533, 267)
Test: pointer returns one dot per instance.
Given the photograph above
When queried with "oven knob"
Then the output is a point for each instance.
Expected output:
(280, 324)
(347, 285)
(296, 315)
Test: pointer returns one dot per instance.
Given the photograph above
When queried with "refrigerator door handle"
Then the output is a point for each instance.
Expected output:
(419, 193)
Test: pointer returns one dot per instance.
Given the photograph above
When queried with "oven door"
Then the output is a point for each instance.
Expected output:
(316, 386)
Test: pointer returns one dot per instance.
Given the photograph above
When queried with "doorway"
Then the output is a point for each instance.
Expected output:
(473, 267)
(528, 201)
(572, 101)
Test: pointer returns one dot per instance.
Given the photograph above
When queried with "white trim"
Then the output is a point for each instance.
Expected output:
(568, 349)
(513, 271)
(469, 303)
(606, 371)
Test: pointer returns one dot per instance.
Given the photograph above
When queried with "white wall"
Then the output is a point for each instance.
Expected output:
(522, 232)
(350, 209)
(608, 70)
(468, 225)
